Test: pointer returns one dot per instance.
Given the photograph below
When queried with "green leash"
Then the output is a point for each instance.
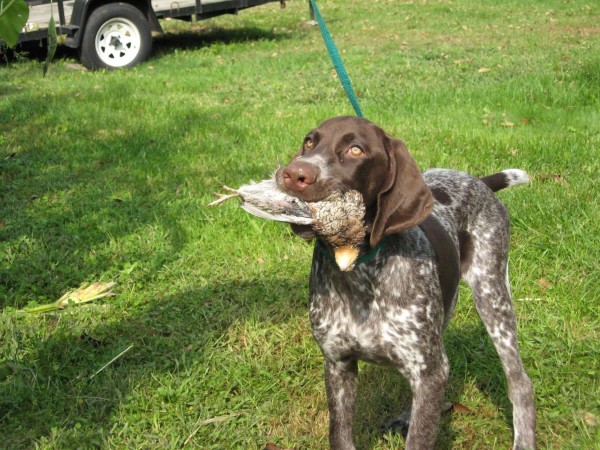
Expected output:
(336, 59)
(338, 64)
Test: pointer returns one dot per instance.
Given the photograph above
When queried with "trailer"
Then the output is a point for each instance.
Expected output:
(110, 34)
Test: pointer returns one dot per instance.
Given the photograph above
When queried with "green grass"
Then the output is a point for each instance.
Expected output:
(106, 177)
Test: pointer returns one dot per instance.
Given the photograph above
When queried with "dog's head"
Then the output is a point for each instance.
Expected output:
(350, 153)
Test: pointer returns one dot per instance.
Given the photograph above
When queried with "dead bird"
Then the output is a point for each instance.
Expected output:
(265, 200)
(338, 219)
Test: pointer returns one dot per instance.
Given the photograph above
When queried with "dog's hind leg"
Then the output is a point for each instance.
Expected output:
(488, 277)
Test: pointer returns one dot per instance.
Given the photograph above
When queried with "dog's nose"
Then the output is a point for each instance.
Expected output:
(298, 175)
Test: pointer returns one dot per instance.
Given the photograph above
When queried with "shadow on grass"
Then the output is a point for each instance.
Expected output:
(37, 51)
(201, 37)
(68, 215)
(198, 37)
(63, 209)
(384, 394)
(60, 395)
(177, 333)
(84, 211)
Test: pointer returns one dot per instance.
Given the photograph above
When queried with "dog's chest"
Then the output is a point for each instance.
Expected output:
(375, 315)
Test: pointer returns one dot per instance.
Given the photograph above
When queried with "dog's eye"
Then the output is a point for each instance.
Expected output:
(308, 143)
(356, 151)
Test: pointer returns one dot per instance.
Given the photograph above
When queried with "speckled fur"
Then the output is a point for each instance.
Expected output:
(389, 310)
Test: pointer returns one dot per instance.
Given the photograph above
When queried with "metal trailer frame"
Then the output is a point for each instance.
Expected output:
(71, 15)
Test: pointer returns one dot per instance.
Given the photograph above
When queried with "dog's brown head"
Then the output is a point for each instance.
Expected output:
(350, 153)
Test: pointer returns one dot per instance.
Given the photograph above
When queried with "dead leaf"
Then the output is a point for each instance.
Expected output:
(271, 446)
(459, 408)
(483, 70)
(308, 24)
(544, 284)
(77, 67)
(589, 418)
(507, 123)
(560, 179)
(556, 177)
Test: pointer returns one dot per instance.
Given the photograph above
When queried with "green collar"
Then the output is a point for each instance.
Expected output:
(362, 259)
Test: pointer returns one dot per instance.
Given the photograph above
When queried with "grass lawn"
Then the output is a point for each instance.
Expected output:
(106, 177)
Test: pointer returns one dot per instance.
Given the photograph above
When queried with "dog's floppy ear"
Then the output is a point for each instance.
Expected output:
(404, 200)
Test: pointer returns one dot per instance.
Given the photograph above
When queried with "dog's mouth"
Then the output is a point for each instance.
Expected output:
(305, 232)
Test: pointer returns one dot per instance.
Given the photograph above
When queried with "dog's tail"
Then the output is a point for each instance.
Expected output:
(506, 178)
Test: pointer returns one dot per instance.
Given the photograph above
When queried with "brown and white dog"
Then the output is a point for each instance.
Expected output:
(425, 232)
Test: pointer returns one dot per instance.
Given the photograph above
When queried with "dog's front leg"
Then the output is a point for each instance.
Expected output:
(341, 380)
(428, 393)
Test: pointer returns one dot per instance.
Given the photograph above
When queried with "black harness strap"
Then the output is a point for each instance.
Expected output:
(446, 256)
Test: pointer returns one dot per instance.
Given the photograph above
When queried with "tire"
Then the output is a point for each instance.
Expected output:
(117, 36)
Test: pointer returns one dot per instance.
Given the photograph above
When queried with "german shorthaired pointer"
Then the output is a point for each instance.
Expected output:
(425, 232)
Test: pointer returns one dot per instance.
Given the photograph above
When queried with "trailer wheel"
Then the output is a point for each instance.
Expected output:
(117, 35)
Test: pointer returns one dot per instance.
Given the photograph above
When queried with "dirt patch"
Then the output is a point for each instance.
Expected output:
(575, 31)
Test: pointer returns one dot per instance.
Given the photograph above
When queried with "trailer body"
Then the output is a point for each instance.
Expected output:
(115, 34)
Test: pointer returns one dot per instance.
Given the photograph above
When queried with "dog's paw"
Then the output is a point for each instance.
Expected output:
(397, 424)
